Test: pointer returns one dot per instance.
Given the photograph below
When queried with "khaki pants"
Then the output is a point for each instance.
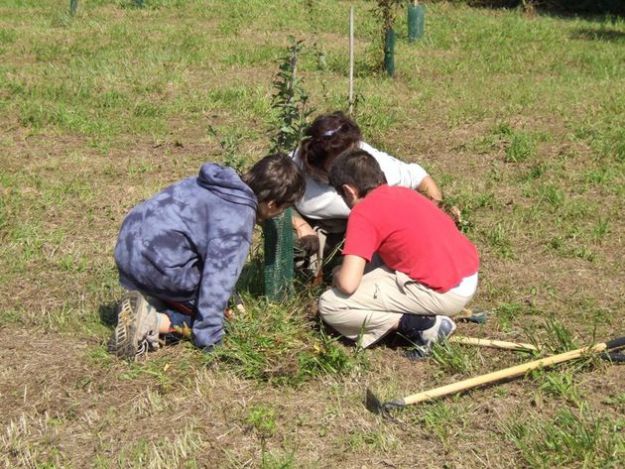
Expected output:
(376, 307)
(331, 233)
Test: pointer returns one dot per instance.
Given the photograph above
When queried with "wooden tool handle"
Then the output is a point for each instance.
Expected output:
(464, 314)
(505, 373)
(492, 343)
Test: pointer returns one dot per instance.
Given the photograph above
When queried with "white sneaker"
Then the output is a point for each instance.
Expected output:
(442, 329)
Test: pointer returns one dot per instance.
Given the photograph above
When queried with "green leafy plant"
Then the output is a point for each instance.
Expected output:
(263, 420)
(386, 12)
(289, 101)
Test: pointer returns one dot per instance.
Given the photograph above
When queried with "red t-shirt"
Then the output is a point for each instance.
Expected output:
(411, 235)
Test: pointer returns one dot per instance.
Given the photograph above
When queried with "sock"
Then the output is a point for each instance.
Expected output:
(410, 325)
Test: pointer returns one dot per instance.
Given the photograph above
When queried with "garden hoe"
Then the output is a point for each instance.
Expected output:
(476, 316)
(375, 405)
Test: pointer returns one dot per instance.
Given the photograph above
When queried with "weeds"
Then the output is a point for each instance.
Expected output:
(499, 240)
(180, 451)
(618, 400)
(263, 420)
(520, 148)
(277, 343)
(372, 440)
(569, 438)
(562, 384)
(561, 337)
(453, 359)
(508, 314)
(600, 230)
(441, 419)
(230, 143)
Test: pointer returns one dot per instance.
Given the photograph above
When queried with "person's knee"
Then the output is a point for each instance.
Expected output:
(326, 303)
(331, 306)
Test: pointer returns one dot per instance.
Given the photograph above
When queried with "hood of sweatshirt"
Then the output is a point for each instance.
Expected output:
(225, 183)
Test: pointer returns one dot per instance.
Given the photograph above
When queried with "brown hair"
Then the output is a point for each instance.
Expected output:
(328, 136)
(356, 168)
(276, 177)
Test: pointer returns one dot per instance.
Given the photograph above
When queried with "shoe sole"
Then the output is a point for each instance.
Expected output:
(454, 326)
(124, 343)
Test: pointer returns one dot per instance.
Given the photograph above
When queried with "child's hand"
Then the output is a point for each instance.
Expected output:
(229, 313)
(451, 210)
(309, 244)
(455, 214)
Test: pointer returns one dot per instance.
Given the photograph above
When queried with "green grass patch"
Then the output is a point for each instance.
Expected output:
(279, 343)
(580, 438)
(519, 120)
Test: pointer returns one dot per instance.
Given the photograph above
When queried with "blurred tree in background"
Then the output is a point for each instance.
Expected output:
(614, 7)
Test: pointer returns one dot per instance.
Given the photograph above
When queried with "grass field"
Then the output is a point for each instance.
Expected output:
(520, 119)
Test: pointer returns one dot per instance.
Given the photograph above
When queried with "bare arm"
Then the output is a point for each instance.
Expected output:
(430, 189)
(301, 226)
(348, 276)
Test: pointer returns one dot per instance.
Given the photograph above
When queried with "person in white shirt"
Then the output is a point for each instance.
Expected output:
(321, 216)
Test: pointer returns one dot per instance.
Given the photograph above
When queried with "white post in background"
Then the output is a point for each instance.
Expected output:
(351, 60)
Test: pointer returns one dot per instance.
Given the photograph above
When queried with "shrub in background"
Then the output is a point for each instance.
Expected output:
(614, 7)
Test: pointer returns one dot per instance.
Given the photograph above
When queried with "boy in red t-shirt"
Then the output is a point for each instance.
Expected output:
(428, 271)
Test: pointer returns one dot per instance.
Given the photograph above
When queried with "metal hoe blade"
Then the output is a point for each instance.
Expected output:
(376, 406)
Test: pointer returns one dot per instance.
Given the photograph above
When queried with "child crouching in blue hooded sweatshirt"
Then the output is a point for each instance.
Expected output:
(183, 250)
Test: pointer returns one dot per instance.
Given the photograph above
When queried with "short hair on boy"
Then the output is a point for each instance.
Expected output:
(356, 168)
(276, 177)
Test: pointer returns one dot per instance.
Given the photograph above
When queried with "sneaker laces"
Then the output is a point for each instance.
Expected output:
(142, 348)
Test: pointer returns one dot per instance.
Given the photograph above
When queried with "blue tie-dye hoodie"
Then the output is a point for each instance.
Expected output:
(189, 243)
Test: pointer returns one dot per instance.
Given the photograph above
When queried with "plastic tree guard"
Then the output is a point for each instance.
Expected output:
(278, 242)
(416, 22)
(389, 52)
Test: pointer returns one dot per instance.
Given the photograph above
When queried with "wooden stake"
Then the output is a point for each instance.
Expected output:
(351, 60)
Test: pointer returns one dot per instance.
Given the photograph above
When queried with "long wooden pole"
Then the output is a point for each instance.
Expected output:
(500, 344)
(506, 373)
(351, 60)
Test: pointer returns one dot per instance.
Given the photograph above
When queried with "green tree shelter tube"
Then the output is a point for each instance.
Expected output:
(389, 52)
(73, 6)
(278, 242)
(416, 22)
